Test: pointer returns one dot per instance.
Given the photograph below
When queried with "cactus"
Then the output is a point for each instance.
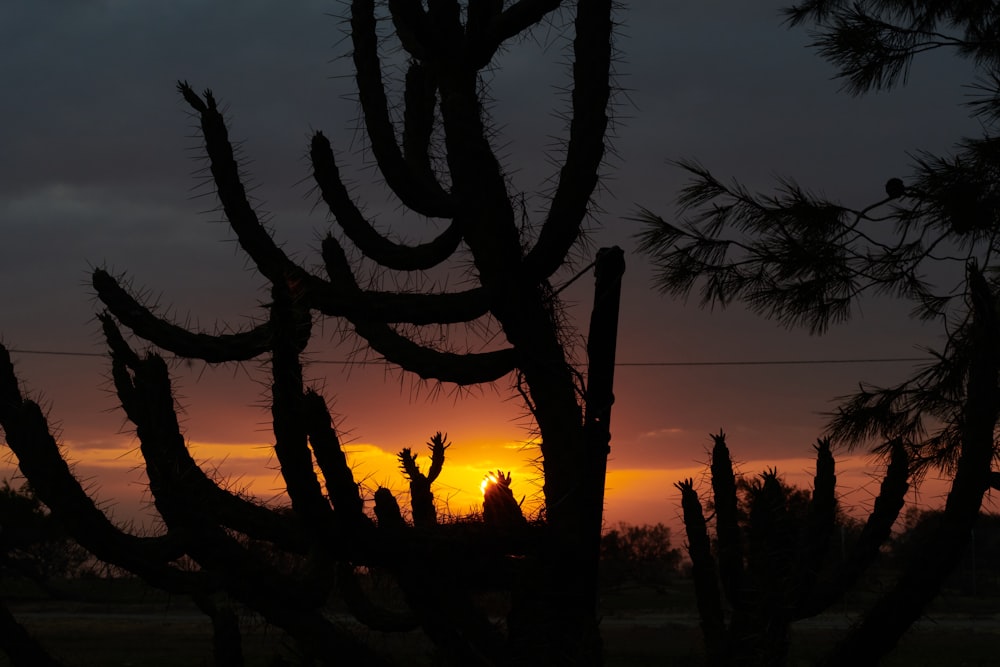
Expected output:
(328, 533)
(500, 509)
(769, 564)
(421, 497)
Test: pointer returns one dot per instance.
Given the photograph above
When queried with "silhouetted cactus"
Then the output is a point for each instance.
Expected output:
(500, 509)
(421, 497)
(769, 559)
(328, 534)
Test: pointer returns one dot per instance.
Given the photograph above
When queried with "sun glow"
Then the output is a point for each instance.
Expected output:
(490, 478)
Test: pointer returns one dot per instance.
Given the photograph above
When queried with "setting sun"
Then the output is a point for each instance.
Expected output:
(490, 478)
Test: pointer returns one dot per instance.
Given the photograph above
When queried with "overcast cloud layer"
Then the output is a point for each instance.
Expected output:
(98, 162)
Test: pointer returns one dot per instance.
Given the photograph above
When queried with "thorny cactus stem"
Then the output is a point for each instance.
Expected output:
(703, 568)
(421, 496)
(779, 561)
(727, 527)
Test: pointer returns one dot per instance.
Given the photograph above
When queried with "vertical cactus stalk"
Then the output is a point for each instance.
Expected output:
(703, 569)
(776, 550)
(820, 522)
(875, 533)
(727, 526)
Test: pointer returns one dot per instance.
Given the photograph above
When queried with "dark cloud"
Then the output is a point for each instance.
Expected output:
(98, 156)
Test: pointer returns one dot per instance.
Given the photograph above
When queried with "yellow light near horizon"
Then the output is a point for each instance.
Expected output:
(490, 478)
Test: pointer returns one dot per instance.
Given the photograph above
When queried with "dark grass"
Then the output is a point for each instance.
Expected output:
(118, 623)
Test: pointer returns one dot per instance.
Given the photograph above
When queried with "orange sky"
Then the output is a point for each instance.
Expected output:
(226, 426)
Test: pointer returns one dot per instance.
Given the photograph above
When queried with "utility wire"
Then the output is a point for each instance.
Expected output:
(734, 362)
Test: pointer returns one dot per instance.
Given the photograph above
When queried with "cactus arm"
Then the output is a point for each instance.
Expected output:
(268, 258)
(731, 568)
(341, 487)
(213, 348)
(287, 603)
(820, 521)
(28, 436)
(419, 103)
(585, 151)
(462, 369)
(411, 23)
(704, 573)
(232, 510)
(415, 191)
(480, 44)
(438, 444)
(877, 528)
(514, 20)
(291, 448)
(397, 307)
(373, 244)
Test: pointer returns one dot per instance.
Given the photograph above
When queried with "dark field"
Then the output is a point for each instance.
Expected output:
(124, 624)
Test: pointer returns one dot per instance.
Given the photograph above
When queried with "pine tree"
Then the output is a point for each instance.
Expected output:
(806, 261)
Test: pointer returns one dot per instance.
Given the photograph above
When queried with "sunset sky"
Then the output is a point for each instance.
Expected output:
(97, 170)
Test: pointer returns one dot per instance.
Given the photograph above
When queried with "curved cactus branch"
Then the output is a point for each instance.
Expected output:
(268, 258)
(514, 20)
(213, 348)
(423, 196)
(419, 104)
(231, 510)
(373, 244)
(585, 151)
(396, 307)
(470, 368)
(144, 389)
(28, 436)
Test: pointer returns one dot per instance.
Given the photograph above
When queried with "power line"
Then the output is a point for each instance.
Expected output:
(665, 364)
(774, 362)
